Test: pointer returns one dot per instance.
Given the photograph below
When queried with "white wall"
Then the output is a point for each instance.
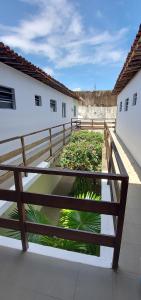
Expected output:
(27, 117)
(97, 112)
(129, 122)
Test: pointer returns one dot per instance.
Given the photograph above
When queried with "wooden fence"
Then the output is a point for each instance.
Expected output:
(115, 208)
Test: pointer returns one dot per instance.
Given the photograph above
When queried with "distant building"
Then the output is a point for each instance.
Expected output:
(128, 89)
(30, 99)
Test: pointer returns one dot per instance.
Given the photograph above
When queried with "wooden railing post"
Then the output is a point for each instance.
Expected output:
(110, 160)
(23, 154)
(21, 209)
(123, 198)
(50, 140)
(64, 134)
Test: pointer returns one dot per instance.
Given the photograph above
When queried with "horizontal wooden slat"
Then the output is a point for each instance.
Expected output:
(71, 234)
(57, 143)
(64, 172)
(31, 146)
(61, 125)
(10, 155)
(83, 127)
(9, 140)
(58, 201)
(119, 161)
(10, 224)
(56, 134)
(37, 155)
(8, 195)
(92, 123)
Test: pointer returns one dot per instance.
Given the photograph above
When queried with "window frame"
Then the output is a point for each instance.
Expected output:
(38, 102)
(74, 111)
(120, 106)
(126, 104)
(135, 97)
(53, 103)
(7, 103)
(64, 110)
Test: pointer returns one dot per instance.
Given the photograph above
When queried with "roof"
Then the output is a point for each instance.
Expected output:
(12, 59)
(131, 66)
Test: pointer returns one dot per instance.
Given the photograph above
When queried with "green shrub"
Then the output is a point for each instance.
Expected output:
(89, 136)
(84, 152)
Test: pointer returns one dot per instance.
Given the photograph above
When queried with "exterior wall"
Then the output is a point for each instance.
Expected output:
(97, 112)
(27, 117)
(128, 125)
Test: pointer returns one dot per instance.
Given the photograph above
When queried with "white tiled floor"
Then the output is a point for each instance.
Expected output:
(31, 276)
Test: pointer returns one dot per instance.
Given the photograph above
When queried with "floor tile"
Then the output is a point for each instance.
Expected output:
(130, 258)
(13, 293)
(126, 286)
(94, 283)
(132, 233)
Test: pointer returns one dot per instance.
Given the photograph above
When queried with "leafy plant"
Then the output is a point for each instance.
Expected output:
(69, 219)
(89, 136)
(84, 152)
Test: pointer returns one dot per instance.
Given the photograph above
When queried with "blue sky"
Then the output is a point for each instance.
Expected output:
(82, 43)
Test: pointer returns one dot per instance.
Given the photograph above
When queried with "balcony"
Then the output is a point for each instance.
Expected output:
(35, 274)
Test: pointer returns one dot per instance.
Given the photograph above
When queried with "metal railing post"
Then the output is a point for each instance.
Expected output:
(21, 209)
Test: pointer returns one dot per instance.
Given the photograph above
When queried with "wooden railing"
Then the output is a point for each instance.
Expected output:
(27, 153)
(115, 208)
(23, 155)
(93, 123)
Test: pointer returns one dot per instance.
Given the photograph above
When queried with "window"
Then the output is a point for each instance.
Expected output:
(7, 98)
(74, 111)
(134, 99)
(126, 104)
(120, 106)
(38, 100)
(63, 110)
(53, 105)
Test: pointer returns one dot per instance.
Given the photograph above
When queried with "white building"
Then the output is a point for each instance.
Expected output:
(128, 89)
(30, 99)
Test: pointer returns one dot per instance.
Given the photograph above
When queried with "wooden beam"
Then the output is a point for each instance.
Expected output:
(71, 234)
(21, 209)
(66, 202)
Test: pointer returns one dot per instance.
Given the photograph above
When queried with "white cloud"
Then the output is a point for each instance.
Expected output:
(77, 89)
(48, 70)
(57, 33)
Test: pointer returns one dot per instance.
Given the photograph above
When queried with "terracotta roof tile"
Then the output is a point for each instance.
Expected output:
(131, 66)
(12, 59)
